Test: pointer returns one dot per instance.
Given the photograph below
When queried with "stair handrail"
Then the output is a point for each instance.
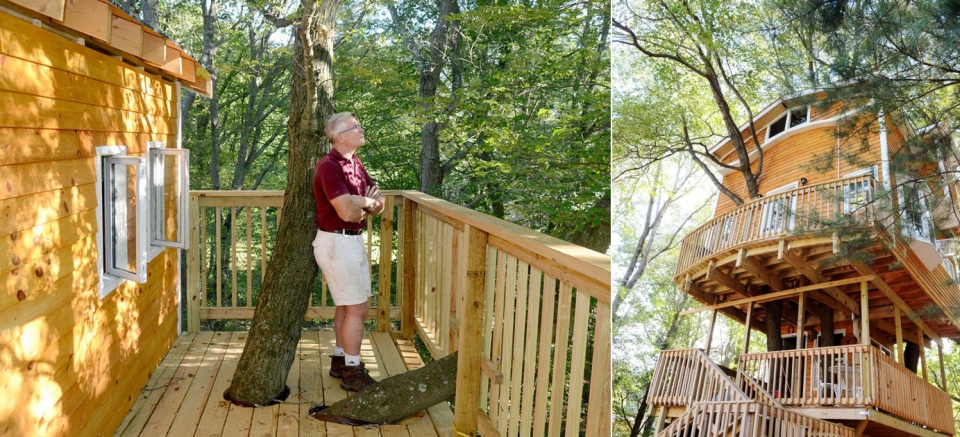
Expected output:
(685, 376)
(763, 396)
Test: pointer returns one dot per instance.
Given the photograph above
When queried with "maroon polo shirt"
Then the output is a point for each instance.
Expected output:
(335, 176)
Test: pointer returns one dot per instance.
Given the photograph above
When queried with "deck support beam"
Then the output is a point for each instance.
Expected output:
(802, 299)
(899, 323)
(888, 292)
(943, 371)
(713, 321)
(746, 334)
(923, 356)
(785, 254)
(864, 315)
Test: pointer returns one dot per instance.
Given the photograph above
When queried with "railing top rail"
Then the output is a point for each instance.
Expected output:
(236, 193)
(808, 351)
(587, 269)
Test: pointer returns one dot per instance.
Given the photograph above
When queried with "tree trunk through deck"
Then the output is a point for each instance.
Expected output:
(772, 325)
(271, 347)
(397, 397)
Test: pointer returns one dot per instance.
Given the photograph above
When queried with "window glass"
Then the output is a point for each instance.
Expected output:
(169, 197)
(124, 217)
(798, 116)
(777, 127)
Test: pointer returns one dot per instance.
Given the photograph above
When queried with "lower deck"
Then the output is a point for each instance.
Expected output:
(184, 396)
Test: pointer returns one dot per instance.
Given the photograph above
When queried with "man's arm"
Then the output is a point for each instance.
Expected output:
(353, 208)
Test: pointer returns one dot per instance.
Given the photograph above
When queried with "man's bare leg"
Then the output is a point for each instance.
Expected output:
(350, 331)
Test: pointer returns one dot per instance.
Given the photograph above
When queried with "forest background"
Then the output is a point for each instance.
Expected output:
(500, 106)
(685, 74)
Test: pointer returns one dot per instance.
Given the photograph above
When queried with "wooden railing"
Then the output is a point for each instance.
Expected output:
(528, 314)
(231, 241)
(904, 393)
(750, 419)
(849, 376)
(683, 377)
(803, 209)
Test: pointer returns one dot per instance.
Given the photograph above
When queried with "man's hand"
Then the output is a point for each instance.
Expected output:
(373, 193)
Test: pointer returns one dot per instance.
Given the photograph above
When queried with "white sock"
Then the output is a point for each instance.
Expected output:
(337, 351)
(351, 360)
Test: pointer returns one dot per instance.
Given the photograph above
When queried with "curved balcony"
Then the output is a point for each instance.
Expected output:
(794, 213)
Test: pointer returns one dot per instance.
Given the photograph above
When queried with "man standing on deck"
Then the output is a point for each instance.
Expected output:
(345, 195)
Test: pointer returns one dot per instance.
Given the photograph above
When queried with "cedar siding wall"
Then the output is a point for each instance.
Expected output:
(71, 363)
(793, 156)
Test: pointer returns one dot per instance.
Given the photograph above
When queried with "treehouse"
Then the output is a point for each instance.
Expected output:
(839, 265)
(95, 337)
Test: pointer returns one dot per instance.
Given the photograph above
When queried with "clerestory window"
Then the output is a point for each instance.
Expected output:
(789, 120)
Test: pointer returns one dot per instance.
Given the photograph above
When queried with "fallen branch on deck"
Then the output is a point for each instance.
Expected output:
(397, 397)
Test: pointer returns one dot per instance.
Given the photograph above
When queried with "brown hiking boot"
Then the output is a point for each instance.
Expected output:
(356, 378)
(336, 365)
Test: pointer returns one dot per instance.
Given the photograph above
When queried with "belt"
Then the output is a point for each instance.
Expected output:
(344, 232)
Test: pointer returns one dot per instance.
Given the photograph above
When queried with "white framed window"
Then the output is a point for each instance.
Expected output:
(858, 194)
(168, 191)
(917, 220)
(777, 213)
(121, 213)
(792, 118)
(142, 205)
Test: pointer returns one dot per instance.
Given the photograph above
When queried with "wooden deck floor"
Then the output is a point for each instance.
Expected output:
(184, 397)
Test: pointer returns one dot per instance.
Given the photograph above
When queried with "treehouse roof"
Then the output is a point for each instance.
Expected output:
(106, 27)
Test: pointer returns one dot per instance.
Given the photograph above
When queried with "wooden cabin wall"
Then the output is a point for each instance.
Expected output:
(792, 158)
(71, 363)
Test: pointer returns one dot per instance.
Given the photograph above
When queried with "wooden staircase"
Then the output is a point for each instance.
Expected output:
(716, 406)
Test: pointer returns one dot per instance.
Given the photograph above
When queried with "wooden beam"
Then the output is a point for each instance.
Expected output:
(890, 294)
(899, 324)
(752, 266)
(943, 372)
(746, 334)
(864, 315)
(780, 294)
(89, 17)
(801, 300)
(884, 312)
(713, 320)
(785, 254)
(733, 312)
(923, 356)
(726, 280)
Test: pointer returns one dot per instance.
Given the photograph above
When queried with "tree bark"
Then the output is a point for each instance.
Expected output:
(772, 325)
(397, 397)
(826, 326)
(275, 328)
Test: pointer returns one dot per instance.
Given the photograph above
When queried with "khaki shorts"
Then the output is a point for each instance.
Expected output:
(343, 261)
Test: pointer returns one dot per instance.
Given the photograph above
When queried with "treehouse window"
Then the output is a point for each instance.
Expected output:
(168, 195)
(777, 213)
(916, 213)
(859, 192)
(141, 207)
(121, 213)
(789, 120)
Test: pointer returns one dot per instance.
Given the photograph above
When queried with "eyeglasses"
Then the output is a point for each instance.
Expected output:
(352, 128)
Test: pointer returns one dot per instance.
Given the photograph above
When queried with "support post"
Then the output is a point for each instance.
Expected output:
(386, 266)
(661, 417)
(746, 334)
(923, 355)
(899, 324)
(472, 275)
(864, 315)
(713, 321)
(193, 267)
(802, 300)
(943, 371)
(410, 267)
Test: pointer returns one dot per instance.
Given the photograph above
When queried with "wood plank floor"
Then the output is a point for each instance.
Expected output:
(184, 397)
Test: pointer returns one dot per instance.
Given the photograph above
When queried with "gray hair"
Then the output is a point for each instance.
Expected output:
(337, 123)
